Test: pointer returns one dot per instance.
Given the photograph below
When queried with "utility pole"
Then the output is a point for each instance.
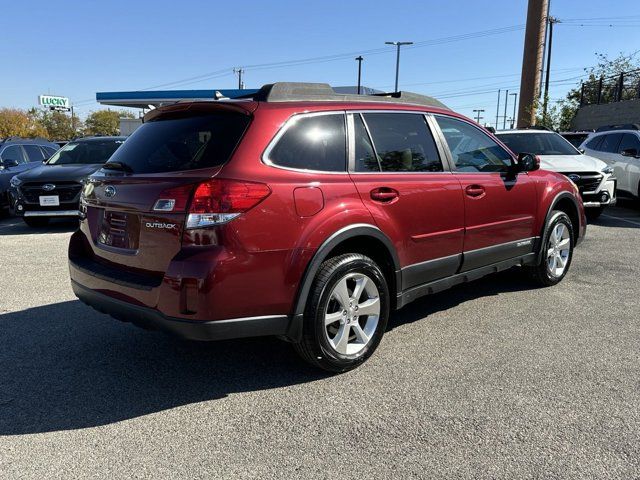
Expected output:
(498, 109)
(506, 102)
(478, 117)
(398, 45)
(545, 100)
(515, 102)
(532, 61)
(239, 71)
(359, 59)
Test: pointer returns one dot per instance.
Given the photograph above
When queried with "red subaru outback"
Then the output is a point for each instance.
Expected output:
(310, 215)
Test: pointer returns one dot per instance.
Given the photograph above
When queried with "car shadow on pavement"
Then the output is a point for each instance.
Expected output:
(64, 366)
(16, 226)
(626, 214)
(512, 280)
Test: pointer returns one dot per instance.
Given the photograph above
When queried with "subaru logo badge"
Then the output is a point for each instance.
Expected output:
(47, 187)
(109, 191)
(574, 178)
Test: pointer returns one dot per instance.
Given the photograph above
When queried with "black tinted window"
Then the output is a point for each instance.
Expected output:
(472, 149)
(403, 142)
(629, 141)
(366, 160)
(594, 143)
(182, 143)
(610, 143)
(93, 152)
(33, 152)
(313, 143)
(538, 143)
(13, 152)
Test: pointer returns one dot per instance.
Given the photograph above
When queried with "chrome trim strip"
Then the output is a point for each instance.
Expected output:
(53, 213)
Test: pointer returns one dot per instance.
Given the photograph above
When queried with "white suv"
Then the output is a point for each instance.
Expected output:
(619, 147)
(593, 177)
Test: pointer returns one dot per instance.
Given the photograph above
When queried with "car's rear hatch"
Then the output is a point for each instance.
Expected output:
(136, 206)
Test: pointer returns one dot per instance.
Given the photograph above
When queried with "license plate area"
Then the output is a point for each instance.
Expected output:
(119, 230)
(49, 201)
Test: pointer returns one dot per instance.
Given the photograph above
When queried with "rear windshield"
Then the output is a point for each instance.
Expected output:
(77, 153)
(537, 143)
(182, 144)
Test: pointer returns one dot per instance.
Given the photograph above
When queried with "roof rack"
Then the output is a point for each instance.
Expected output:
(16, 138)
(622, 126)
(322, 92)
(538, 127)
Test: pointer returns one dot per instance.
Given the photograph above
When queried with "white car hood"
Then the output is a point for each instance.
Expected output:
(571, 163)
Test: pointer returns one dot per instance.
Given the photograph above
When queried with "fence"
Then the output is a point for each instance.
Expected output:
(625, 86)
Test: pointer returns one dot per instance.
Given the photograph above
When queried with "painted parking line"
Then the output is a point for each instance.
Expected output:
(622, 220)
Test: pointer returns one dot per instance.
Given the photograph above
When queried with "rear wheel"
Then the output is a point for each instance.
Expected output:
(36, 222)
(346, 313)
(557, 251)
(593, 213)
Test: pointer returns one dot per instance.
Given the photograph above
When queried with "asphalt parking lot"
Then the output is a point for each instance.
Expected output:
(494, 379)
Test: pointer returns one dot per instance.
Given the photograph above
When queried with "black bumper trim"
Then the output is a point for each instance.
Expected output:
(193, 330)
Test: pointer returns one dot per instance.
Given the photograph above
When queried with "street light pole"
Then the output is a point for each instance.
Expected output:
(398, 45)
(515, 102)
(506, 102)
(359, 59)
(478, 117)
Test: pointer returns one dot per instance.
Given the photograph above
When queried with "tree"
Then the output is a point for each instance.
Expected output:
(560, 115)
(16, 122)
(105, 122)
(59, 125)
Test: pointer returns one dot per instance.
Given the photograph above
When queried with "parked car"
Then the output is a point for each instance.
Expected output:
(17, 155)
(311, 216)
(594, 178)
(575, 138)
(53, 188)
(619, 147)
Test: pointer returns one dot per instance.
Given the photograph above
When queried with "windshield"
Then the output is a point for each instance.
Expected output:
(537, 143)
(575, 139)
(187, 143)
(80, 153)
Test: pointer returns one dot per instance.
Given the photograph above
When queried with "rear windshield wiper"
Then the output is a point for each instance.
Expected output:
(117, 166)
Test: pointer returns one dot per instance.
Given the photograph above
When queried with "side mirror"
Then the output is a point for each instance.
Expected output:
(630, 152)
(527, 162)
(9, 162)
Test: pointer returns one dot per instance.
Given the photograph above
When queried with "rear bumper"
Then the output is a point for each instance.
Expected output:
(281, 325)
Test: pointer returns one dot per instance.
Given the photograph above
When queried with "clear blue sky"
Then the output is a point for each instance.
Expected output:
(75, 49)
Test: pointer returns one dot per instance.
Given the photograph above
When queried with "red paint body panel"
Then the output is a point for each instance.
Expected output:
(253, 265)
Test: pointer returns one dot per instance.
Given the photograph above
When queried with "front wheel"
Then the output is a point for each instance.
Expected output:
(36, 222)
(557, 251)
(346, 313)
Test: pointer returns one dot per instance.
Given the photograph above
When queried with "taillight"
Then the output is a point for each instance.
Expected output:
(218, 201)
(173, 199)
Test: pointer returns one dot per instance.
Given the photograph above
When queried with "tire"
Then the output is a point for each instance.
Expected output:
(36, 222)
(593, 213)
(544, 274)
(352, 337)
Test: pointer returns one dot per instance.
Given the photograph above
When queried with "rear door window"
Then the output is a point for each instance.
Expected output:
(403, 143)
(610, 143)
(315, 142)
(184, 143)
(629, 141)
(34, 153)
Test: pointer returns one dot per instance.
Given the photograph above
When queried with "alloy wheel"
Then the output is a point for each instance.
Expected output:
(352, 313)
(558, 250)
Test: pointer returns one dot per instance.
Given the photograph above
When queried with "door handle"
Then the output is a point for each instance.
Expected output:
(475, 191)
(384, 194)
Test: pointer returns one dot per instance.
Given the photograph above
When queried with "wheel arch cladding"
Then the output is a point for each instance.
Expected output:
(362, 238)
(564, 202)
